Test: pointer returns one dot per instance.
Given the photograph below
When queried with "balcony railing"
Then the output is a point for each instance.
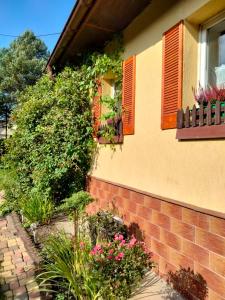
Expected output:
(205, 122)
(114, 126)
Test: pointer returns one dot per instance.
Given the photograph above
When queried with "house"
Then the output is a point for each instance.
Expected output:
(167, 173)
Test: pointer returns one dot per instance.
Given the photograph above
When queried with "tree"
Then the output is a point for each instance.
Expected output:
(21, 64)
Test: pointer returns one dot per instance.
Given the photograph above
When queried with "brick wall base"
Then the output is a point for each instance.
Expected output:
(177, 236)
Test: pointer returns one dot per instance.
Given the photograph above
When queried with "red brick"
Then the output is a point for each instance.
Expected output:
(161, 220)
(217, 226)
(165, 266)
(144, 212)
(155, 258)
(210, 241)
(170, 239)
(182, 229)
(97, 183)
(125, 193)
(217, 263)
(196, 252)
(14, 285)
(214, 281)
(180, 260)
(114, 189)
(195, 218)
(171, 210)
(21, 291)
(130, 206)
(119, 201)
(151, 230)
(203, 221)
(152, 203)
(101, 194)
(126, 217)
(160, 249)
(137, 198)
(214, 296)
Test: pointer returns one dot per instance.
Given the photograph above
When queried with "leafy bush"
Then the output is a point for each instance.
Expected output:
(78, 201)
(36, 208)
(121, 264)
(51, 148)
(107, 271)
(104, 225)
(69, 271)
(10, 187)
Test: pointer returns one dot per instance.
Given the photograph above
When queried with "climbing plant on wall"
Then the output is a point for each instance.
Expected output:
(52, 146)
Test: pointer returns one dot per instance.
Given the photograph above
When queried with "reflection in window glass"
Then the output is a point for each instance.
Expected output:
(216, 55)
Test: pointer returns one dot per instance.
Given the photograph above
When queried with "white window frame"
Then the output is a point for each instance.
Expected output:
(202, 68)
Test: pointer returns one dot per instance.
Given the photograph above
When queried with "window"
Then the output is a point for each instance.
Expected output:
(212, 53)
(107, 111)
(111, 106)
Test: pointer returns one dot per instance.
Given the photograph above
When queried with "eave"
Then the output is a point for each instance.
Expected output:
(91, 24)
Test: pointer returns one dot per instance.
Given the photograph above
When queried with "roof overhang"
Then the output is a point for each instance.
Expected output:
(92, 23)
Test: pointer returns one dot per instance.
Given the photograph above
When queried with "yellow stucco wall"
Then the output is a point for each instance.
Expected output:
(152, 160)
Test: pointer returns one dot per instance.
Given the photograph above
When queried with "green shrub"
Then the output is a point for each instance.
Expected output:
(78, 201)
(51, 148)
(104, 225)
(9, 184)
(68, 271)
(121, 264)
(36, 208)
(107, 271)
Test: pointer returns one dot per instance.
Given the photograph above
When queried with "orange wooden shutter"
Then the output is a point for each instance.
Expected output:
(172, 75)
(128, 97)
(97, 108)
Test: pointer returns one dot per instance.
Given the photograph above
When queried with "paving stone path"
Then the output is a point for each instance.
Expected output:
(18, 259)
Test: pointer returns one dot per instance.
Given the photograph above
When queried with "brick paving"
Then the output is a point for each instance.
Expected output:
(18, 260)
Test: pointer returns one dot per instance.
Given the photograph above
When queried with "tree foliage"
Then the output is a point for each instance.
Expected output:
(21, 64)
(51, 148)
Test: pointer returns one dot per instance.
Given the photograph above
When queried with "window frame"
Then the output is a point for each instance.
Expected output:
(118, 138)
(202, 67)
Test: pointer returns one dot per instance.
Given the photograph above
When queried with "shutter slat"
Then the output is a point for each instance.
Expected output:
(128, 99)
(172, 75)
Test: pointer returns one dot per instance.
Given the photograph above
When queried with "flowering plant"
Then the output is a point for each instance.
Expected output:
(121, 263)
(209, 94)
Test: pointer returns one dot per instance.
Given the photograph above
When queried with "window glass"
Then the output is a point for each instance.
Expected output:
(216, 55)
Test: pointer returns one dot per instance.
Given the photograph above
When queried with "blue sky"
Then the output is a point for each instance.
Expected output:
(40, 16)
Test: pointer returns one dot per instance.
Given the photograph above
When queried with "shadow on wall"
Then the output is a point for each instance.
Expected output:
(188, 284)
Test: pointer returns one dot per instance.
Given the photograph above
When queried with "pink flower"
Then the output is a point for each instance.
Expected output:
(93, 252)
(110, 257)
(97, 247)
(118, 237)
(123, 242)
(119, 256)
(111, 251)
(132, 242)
(96, 250)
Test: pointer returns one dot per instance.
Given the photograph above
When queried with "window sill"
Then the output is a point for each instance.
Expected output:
(201, 132)
(115, 123)
(115, 140)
